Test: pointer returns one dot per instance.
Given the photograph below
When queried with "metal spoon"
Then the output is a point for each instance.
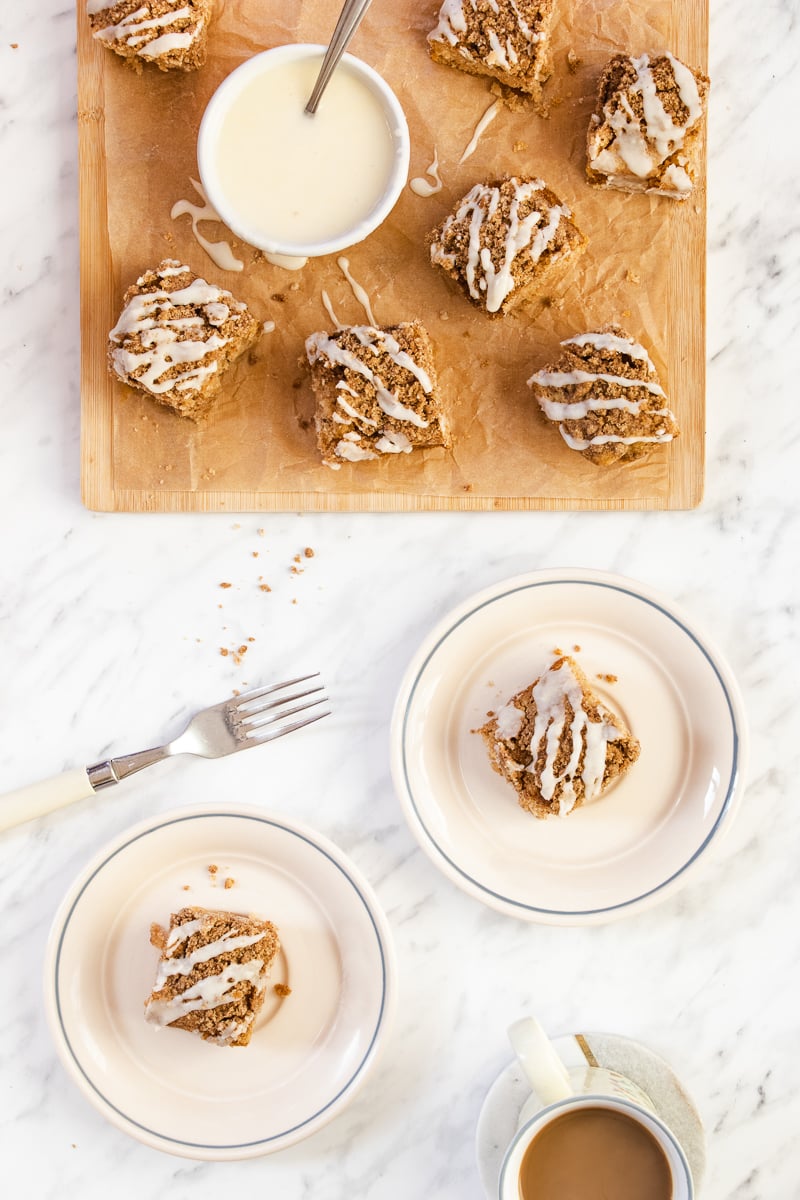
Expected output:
(349, 20)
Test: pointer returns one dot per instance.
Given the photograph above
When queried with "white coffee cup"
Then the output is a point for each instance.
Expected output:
(557, 1091)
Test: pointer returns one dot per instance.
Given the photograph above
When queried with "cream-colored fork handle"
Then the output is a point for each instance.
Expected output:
(38, 798)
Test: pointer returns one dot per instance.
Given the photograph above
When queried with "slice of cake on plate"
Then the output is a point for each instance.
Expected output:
(212, 974)
(644, 134)
(604, 395)
(508, 40)
(505, 241)
(176, 337)
(557, 744)
(376, 392)
(169, 33)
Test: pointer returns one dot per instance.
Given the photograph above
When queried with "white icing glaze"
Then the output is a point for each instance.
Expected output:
(148, 316)
(611, 341)
(452, 22)
(349, 449)
(560, 379)
(487, 281)
(184, 965)
(268, 327)
(587, 738)
(326, 301)
(349, 409)
(603, 439)
(508, 721)
(358, 291)
(289, 262)
(165, 43)
(421, 186)
(392, 442)
(480, 129)
(219, 252)
(210, 992)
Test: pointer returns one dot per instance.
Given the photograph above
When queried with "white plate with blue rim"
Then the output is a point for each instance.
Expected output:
(651, 830)
(311, 1049)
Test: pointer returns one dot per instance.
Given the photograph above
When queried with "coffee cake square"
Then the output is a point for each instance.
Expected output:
(176, 337)
(212, 975)
(508, 40)
(376, 392)
(172, 34)
(605, 396)
(505, 242)
(556, 743)
(644, 135)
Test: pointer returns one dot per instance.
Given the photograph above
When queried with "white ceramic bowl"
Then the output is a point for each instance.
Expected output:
(219, 105)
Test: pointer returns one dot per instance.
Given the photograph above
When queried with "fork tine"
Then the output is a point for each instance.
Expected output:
(270, 704)
(273, 718)
(244, 699)
(271, 734)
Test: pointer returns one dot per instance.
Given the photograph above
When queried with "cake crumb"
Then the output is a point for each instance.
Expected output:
(633, 276)
(558, 653)
(519, 146)
(224, 651)
(264, 587)
(608, 678)
(229, 882)
(213, 868)
(260, 532)
(576, 649)
(226, 585)
(255, 554)
(573, 62)
(282, 989)
(186, 887)
(158, 936)
(294, 601)
(308, 552)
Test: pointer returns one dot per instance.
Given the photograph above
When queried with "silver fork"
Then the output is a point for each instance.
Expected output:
(258, 716)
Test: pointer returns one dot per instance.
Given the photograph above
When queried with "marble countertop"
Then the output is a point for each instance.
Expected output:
(111, 627)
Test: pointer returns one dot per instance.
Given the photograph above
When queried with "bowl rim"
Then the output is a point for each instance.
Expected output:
(232, 85)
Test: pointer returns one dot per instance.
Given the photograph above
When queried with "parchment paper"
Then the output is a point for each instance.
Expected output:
(261, 436)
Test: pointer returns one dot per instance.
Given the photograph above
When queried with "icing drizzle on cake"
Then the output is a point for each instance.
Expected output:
(170, 338)
(640, 144)
(596, 399)
(490, 277)
(138, 30)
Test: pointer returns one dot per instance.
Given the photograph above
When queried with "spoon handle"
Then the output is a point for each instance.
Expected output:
(349, 20)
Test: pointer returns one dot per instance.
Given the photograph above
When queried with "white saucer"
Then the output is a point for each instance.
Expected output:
(499, 1116)
(310, 1051)
(641, 840)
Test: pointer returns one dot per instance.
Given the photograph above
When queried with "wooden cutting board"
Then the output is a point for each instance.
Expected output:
(644, 269)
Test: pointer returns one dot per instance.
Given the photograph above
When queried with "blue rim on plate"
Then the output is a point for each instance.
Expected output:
(317, 843)
(457, 618)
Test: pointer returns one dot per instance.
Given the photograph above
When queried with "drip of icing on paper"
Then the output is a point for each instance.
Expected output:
(358, 291)
(480, 129)
(220, 253)
(422, 186)
(326, 300)
(287, 261)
